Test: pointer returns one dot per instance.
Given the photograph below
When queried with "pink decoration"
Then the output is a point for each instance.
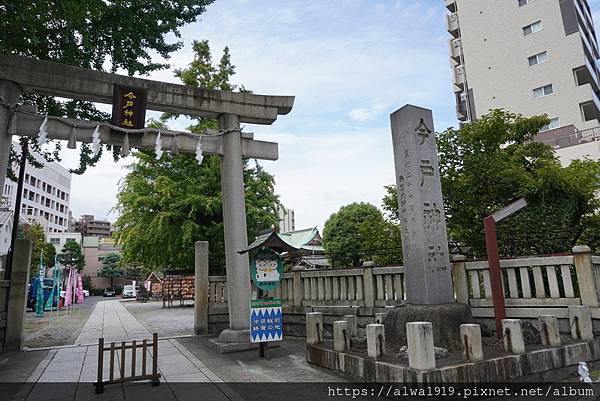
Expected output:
(69, 290)
(80, 296)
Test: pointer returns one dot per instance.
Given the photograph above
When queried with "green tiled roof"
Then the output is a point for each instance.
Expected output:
(301, 237)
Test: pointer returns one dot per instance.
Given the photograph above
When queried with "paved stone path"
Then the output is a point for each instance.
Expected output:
(76, 367)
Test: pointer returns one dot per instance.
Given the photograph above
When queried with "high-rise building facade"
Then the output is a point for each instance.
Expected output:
(46, 194)
(527, 56)
(89, 226)
(287, 221)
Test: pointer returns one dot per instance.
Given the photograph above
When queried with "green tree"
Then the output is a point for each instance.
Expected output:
(97, 34)
(358, 232)
(166, 205)
(111, 267)
(71, 256)
(35, 233)
(488, 164)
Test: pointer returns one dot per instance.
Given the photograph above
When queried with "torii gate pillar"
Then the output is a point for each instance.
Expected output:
(236, 236)
(9, 95)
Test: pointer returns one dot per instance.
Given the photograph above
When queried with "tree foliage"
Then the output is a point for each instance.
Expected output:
(492, 162)
(166, 205)
(35, 233)
(97, 34)
(71, 256)
(358, 232)
(111, 267)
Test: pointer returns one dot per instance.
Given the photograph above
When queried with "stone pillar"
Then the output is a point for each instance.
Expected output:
(419, 337)
(459, 273)
(513, 336)
(582, 257)
(472, 347)
(201, 288)
(369, 286)
(236, 238)
(422, 220)
(379, 317)
(341, 335)
(375, 340)
(352, 325)
(314, 328)
(298, 287)
(9, 94)
(17, 301)
(549, 330)
(580, 321)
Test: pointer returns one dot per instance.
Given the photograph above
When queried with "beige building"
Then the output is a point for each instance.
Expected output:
(526, 56)
(94, 250)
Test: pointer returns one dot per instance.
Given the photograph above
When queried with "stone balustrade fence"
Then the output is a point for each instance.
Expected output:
(534, 286)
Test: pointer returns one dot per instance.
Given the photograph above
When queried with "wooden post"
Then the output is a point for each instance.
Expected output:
(155, 381)
(111, 375)
(133, 357)
(100, 382)
(491, 245)
(144, 356)
(122, 370)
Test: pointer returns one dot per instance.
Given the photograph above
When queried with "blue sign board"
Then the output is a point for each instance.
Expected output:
(266, 320)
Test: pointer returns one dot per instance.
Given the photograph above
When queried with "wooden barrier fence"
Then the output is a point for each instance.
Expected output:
(113, 349)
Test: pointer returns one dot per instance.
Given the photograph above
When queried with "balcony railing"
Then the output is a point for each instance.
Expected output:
(564, 137)
(452, 24)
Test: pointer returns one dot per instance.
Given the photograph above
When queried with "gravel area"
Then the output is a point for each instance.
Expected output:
(167, 322)
(48, 331)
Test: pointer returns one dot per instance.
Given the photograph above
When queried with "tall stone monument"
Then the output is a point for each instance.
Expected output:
(429, 295)
(422, 220)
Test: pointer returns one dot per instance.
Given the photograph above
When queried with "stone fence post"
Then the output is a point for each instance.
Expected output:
(15, 317)
(298, 287)
(201, 288)
(582, 257)
(459, 273)
(368, 284)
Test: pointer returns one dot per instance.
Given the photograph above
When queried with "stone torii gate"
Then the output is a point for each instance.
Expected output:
(20, 74)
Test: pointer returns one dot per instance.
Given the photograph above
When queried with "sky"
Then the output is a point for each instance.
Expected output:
(349, 64)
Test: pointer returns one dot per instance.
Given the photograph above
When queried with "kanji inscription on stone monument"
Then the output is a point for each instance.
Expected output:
(423, 224)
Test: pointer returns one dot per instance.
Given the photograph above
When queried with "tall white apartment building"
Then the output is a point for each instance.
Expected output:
(526, 56)
(287, 221)
(46, 194)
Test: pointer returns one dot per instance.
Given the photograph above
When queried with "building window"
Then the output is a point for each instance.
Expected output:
(71, 239)
(551, 125)
(523, 2)
(543, 91)
(538, 58)
(55, 241)
(532, 28)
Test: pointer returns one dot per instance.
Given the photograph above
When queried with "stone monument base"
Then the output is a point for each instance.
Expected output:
(232, 341)
(445, 318)
(235, 341)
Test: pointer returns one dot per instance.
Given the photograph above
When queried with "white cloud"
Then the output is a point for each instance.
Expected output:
(362, 114)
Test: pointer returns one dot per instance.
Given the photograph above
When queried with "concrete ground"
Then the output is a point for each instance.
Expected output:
(287, 362)
(68, 373)
(53, 330)
(167, 322)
